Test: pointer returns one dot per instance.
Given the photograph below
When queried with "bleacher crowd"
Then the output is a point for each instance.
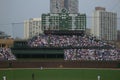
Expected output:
(65, 41)
(110, 53)
(6, 54)
(92, 54)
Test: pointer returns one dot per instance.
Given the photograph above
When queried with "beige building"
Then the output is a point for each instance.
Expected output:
(32, 27)
(5, 40)
(6, 43)
(104, 24)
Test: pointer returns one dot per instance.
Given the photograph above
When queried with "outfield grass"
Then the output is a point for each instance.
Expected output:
(60, 74)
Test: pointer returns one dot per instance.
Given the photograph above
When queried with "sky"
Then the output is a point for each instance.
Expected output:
(16, 11)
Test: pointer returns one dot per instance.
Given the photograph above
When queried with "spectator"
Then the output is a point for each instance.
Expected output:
(5, 54)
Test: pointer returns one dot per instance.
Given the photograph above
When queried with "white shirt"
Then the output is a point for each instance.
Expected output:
(4, 77)
(98, 77)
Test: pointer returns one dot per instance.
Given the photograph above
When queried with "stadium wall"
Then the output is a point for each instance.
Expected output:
(60, 64)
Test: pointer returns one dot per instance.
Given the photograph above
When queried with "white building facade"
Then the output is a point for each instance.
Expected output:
(104, 24)
(32, 27)
(70, 5)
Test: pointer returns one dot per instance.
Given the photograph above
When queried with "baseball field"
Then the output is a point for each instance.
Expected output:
(60, 74)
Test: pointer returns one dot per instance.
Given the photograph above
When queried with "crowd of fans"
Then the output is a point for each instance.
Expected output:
(65, 41)
(92, 54)
(73, 41)
(6, 54)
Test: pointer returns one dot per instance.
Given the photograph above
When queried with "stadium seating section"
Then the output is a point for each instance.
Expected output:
(76, 45)
(69, 45)
(6, 54)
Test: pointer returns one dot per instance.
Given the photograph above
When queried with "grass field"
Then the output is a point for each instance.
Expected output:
(60, 74)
